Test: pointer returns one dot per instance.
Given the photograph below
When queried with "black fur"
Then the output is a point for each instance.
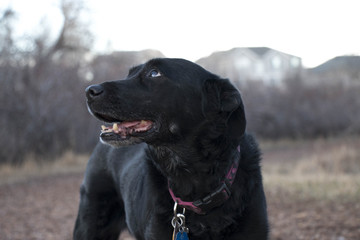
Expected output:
(198, 122)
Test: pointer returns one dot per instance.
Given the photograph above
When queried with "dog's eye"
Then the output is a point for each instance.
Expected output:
(154, 73)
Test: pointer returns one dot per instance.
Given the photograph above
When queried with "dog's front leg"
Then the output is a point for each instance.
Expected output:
(100, 216)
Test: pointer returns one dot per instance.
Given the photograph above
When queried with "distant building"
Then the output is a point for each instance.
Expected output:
(255, 63)
(345, 69)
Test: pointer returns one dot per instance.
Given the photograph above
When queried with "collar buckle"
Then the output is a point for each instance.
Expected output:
(215, 199)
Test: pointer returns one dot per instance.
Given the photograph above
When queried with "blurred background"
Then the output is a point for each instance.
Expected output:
(296, 63)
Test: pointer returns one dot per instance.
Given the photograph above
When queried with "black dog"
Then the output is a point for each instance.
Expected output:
(191, 147)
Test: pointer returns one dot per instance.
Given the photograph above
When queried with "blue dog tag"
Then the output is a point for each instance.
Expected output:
(182, 235)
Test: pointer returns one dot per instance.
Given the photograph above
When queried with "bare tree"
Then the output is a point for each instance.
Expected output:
(42, 104)
(298, 110)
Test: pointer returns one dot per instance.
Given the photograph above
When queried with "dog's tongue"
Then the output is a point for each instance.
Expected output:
(125, 128)
(127, 124)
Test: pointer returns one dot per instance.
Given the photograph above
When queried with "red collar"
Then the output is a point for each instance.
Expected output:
(214, 199)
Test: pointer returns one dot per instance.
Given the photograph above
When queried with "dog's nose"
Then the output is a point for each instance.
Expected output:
(94, 91)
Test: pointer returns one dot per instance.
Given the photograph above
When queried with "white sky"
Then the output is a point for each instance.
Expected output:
(315, 30)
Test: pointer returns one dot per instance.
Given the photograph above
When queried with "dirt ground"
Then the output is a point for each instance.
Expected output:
(45, 208)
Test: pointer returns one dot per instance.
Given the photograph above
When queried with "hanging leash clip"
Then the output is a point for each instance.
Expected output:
(178, 223)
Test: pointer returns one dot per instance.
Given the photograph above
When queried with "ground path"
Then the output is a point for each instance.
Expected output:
(45, 208)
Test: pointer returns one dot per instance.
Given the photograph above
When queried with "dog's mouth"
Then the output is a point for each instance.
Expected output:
(126, 129)
(127, 132)
(118, 132)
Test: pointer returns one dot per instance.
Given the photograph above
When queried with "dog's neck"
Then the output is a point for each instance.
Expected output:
(192, 174)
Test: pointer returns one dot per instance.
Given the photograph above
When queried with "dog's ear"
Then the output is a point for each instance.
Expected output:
(221, 98)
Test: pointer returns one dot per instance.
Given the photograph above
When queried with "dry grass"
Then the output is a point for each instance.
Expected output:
(322, 187)
(67, 163)
(322, 169)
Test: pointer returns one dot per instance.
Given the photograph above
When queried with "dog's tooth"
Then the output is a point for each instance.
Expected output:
(103, 127)
(115, 127)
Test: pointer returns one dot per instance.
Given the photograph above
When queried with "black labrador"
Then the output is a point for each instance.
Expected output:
(177, 134)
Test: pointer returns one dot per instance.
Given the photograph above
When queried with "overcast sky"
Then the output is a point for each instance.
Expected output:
(315, 30)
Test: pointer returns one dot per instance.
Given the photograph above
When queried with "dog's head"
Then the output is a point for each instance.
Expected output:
(164, 101)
